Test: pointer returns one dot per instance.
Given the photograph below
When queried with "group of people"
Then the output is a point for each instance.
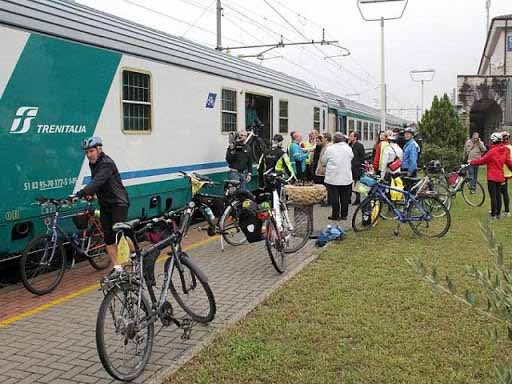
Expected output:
(498, 160)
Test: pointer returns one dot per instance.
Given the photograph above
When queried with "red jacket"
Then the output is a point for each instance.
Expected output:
(495, 158)
(376, 158)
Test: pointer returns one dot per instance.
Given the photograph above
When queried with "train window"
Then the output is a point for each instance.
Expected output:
(323, 120)
(365, 131)
(136, 102)
(316, 118)
(360, 128)
(229, 111)
(283, 116)
(350, 126)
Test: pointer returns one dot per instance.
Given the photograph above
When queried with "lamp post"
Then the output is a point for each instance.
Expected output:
(382, 19)
(420, 76)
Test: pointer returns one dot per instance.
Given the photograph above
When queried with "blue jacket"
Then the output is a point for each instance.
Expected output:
(410, 161)
(297, 155)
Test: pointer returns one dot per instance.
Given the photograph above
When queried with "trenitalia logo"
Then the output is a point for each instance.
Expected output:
(23, 122)
(23, 119)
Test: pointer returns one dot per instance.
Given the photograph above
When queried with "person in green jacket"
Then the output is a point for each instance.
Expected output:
(298, 155)
(276, 160)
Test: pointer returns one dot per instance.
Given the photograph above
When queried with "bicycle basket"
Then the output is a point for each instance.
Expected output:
(81, 220)
(159, 232)
(306, 194)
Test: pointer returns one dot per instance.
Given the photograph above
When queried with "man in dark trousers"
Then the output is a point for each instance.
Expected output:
(239, 160)
(112, 196)
(357, 161)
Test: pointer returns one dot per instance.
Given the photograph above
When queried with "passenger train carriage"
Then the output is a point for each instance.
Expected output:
(160, 103)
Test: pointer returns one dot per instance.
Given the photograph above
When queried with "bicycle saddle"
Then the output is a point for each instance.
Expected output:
(128, 225)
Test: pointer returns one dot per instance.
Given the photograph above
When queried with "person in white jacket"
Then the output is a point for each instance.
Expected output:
(391, 152)
(337, 160)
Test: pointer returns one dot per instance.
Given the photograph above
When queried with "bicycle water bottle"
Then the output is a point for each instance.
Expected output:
(209, 215)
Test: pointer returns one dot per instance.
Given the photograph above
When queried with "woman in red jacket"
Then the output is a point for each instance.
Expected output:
(495, 159)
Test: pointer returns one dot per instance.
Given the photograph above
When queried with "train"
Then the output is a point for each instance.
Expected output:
(161, 104)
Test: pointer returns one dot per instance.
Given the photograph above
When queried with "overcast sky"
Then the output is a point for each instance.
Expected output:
(446, 35)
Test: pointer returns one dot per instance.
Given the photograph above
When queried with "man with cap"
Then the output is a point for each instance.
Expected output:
(411, 150)
(106, 184)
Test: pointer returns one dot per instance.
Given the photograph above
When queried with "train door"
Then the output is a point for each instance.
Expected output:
(258, 115)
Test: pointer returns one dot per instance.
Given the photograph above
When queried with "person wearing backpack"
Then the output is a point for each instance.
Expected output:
(392, 157)
(275, 160)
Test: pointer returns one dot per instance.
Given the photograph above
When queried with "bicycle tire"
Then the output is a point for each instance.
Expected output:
(302, 225)
(429, 204)
(466, 192)
(274, 243)
(100, 259)
(191, 274)
(28, 258)
(228, 234)
(258, 147)
(101, 345)
(369, 210)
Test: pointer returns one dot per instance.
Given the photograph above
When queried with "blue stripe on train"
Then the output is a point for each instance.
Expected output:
(165, 171)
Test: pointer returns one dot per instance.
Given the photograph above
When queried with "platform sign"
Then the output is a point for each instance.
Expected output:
(509, 43)
(210, 102)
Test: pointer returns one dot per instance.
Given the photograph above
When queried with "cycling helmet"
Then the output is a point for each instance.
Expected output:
(91, 142)
(278, 138)
(505, 134)
(496, 137)
(410, 130)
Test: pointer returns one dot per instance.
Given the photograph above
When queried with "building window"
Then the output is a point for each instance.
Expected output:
(229, 114)
(283, 116)
(136, 102)
(316, 118)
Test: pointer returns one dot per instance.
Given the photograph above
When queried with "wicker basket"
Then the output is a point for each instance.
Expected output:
(306, 194)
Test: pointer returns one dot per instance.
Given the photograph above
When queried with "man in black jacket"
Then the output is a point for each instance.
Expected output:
(357, 161)
(239, 160)
(107, 186)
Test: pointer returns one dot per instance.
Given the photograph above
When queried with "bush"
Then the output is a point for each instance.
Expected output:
(450, 158)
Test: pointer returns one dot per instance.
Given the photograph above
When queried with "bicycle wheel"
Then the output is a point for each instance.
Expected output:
(440, 191)
(42, 265)
(190, 288)
(275, 246)
(98, 257)
(229, 225)
(367, 214)
(427, 217)
(124, 336)
(474, 197)
(257, 147)
(297, 227)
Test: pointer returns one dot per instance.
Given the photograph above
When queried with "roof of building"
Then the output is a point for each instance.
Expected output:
(489, 35)
(70, 20)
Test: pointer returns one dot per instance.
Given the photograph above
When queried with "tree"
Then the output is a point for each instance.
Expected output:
(442, 133)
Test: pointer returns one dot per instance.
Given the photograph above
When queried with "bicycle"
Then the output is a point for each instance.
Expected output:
(126, 315)
(44, 259)
(287, 231)
(426, 215)
(228, 205)
(459, 182)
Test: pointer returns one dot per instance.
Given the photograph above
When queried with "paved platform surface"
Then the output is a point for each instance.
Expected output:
(52, 339)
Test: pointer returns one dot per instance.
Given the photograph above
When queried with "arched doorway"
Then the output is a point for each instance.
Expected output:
(486, 117)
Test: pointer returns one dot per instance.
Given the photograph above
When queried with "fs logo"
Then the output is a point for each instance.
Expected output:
(23, 119)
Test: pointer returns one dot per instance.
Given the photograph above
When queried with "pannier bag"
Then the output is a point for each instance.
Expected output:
(251, 221)
(397, 183)
(453, 178)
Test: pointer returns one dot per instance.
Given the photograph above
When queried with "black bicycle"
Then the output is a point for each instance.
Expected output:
(125, 326)
(43, 262)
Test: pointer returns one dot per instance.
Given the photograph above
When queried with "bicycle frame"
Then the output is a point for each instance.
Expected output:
(381, 192)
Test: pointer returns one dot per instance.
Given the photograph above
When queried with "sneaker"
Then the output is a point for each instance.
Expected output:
(506, 214)
(494, 218)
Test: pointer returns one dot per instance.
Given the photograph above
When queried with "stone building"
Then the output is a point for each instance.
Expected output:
(485, 99)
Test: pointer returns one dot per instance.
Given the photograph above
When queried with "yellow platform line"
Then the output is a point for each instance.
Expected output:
(61, 300)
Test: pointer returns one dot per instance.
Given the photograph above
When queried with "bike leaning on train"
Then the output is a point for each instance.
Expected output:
(125, 327)
(425, 214)
(44, 259)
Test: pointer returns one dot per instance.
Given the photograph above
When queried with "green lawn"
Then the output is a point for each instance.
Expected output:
(360, 314)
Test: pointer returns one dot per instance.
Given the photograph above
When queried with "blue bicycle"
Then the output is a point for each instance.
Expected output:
(426, 215)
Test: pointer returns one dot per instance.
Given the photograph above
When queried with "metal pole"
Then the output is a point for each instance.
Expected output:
(422, 97)
(488, 7)
(382, 78)
(417, 114)
(219, 26)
